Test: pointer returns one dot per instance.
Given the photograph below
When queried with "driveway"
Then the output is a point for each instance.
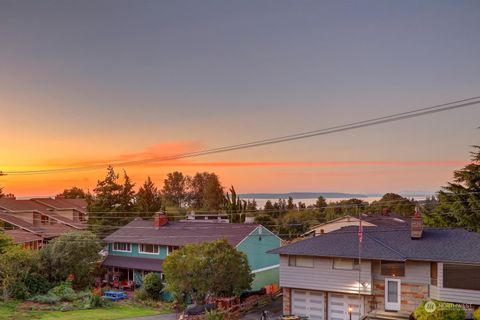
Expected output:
(275, 310)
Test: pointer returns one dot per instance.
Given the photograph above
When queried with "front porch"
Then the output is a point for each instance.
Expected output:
(128, 272)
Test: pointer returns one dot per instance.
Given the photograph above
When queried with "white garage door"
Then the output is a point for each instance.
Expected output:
(308, 303)
(338, 306)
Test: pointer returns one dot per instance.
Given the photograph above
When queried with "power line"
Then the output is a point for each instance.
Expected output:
(350, 126)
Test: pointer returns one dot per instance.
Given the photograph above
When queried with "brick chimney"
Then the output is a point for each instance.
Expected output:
(160, 219)
(416, 225)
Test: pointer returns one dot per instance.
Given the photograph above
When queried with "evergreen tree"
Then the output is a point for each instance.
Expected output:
(111, 203)
(148, 198)
(459, 201)
(127, 195)
(321, 204)
(290, 204)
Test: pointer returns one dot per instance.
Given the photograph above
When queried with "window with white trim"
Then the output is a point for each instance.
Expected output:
(149, 249)
(300, 261)
(122, 246)
(345, 264)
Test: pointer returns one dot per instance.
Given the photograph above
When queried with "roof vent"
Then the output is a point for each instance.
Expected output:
(416, 228)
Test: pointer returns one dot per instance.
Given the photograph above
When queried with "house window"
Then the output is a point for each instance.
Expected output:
(44, 219)
(392, 268)
(461, 276)
(170, 249)
(433, 273)
(149, 249)
(122, 246)
(345, 264)
(300, 261)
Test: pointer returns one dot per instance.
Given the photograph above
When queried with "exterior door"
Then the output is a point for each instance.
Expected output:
(392, 294)
(308, 304)
(339, 304)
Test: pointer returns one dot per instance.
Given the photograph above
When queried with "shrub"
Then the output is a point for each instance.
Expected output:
(37, 284)
(64, 291)
(215, 315)
(19, 291)
(476, 314)
(443, 311)
(141, 295)
(152, 283)
(46, 299)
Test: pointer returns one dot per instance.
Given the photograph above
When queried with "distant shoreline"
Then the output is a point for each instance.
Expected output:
(315, 195)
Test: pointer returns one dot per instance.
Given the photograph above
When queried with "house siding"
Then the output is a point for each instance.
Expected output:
(453, 295)
(415, 272)
(256, 245)
(136, 253)
(324, 278)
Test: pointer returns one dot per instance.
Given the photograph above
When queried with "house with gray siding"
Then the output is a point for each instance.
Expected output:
(141, 246)
(373, 270)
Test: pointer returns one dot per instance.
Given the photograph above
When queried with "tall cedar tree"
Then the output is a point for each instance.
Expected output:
(175, 189)
(111, 204)
(148, 199)
(459, 201)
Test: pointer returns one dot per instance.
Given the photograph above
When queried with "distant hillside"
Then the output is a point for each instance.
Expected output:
(305, 195)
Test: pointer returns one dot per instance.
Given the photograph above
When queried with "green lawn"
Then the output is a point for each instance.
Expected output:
(117, 311)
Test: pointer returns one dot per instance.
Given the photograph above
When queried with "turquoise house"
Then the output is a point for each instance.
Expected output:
(141, 246)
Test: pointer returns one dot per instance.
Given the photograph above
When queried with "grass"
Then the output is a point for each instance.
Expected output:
(8, 311)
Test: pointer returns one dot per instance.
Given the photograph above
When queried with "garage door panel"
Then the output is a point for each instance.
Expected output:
(339, 304)
(308, 303)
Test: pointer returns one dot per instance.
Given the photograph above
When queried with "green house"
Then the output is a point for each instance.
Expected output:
(141, 246)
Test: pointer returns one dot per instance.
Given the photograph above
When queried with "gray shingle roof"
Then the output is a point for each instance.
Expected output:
(384, 243)
(150, 264)
(178, 233)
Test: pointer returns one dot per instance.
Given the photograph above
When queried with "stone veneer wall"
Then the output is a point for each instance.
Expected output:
(287, 293)
(411, 295)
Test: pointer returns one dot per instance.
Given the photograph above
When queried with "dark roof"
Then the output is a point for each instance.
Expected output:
(180, 233)
(149, 264)
(387, 243)
(63, 220)
(45, 230)
(61, 203)
(22, 236)
(20, 205)
(12, 219)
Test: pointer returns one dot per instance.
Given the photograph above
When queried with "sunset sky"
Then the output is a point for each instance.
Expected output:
(98, 82)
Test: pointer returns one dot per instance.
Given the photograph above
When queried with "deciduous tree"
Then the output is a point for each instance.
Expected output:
(72, 253)
(211, 268)
(175, 189)
(73, 193)
(16, 264)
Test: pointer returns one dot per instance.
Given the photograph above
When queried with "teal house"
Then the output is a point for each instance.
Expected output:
(141, 246)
